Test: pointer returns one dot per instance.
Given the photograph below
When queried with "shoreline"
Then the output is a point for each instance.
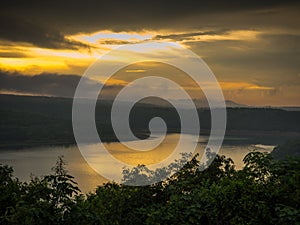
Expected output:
(143, 135)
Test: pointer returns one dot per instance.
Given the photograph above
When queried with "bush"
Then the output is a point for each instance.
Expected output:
(265, 191)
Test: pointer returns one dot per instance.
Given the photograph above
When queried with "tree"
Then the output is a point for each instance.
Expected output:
(265, 191)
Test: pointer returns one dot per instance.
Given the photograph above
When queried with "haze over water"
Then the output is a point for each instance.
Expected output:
(39, 161)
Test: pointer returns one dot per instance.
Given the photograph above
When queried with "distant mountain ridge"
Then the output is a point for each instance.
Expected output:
(199, 103)
(35, 121)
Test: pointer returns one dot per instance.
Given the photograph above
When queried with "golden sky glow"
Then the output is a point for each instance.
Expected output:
(252, 47)
(38, 60)
(244, 88)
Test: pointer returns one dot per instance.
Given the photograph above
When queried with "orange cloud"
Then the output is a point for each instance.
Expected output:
(243, 86)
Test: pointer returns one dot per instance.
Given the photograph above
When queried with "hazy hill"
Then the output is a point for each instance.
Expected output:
(199, 103)
(28, 120)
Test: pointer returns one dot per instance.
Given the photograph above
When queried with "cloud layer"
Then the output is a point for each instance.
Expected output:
(253, 47)
(46, 23)
(41, 84)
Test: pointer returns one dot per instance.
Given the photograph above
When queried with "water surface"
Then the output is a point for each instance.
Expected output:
(39, 161)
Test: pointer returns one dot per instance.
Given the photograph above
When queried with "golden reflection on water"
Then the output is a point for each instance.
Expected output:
(135, 157)
(40, 160)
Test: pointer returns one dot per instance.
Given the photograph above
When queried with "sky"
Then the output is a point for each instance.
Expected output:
(252, 47)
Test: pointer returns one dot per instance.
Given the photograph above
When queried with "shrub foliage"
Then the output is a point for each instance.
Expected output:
(265, 191)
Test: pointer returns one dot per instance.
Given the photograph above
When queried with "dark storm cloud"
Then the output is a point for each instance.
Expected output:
(50, 84)
(44, 23)
(262, 56)
(271, 60)
(12, 55)
(117, 42)
(42, 84)
(21, 30)
(187, 36)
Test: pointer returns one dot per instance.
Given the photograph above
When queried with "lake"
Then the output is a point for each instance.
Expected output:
(39, 161)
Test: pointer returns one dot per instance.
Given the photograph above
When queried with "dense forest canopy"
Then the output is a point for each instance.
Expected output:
(265, 191)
